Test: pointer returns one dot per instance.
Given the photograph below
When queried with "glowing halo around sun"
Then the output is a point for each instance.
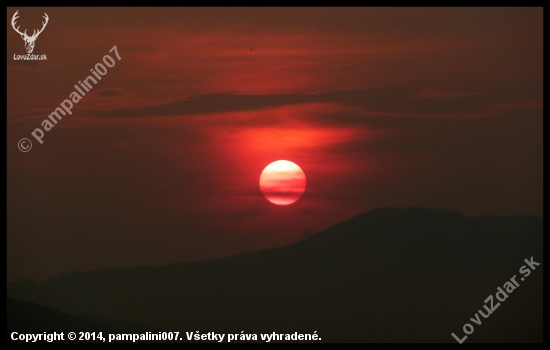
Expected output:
(282, 182)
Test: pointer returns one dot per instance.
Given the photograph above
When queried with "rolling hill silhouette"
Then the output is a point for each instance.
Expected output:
(388, 275)
(25, 317)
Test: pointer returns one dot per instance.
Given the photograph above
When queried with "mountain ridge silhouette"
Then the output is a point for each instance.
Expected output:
(387, 275)
(30, 318)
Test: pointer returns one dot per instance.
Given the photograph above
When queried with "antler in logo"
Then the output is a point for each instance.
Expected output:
(29, 40)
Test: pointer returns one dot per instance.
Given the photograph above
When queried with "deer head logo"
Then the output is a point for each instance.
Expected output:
(29, 40)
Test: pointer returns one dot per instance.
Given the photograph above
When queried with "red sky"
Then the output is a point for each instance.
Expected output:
(160, 162)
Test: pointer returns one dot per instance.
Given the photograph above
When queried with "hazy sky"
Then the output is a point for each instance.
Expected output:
(160, 162)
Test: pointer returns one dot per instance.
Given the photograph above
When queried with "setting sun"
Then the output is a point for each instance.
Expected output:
(282, 182)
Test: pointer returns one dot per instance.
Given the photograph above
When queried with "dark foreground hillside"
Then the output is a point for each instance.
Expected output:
(388, 275)
(29, 318)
